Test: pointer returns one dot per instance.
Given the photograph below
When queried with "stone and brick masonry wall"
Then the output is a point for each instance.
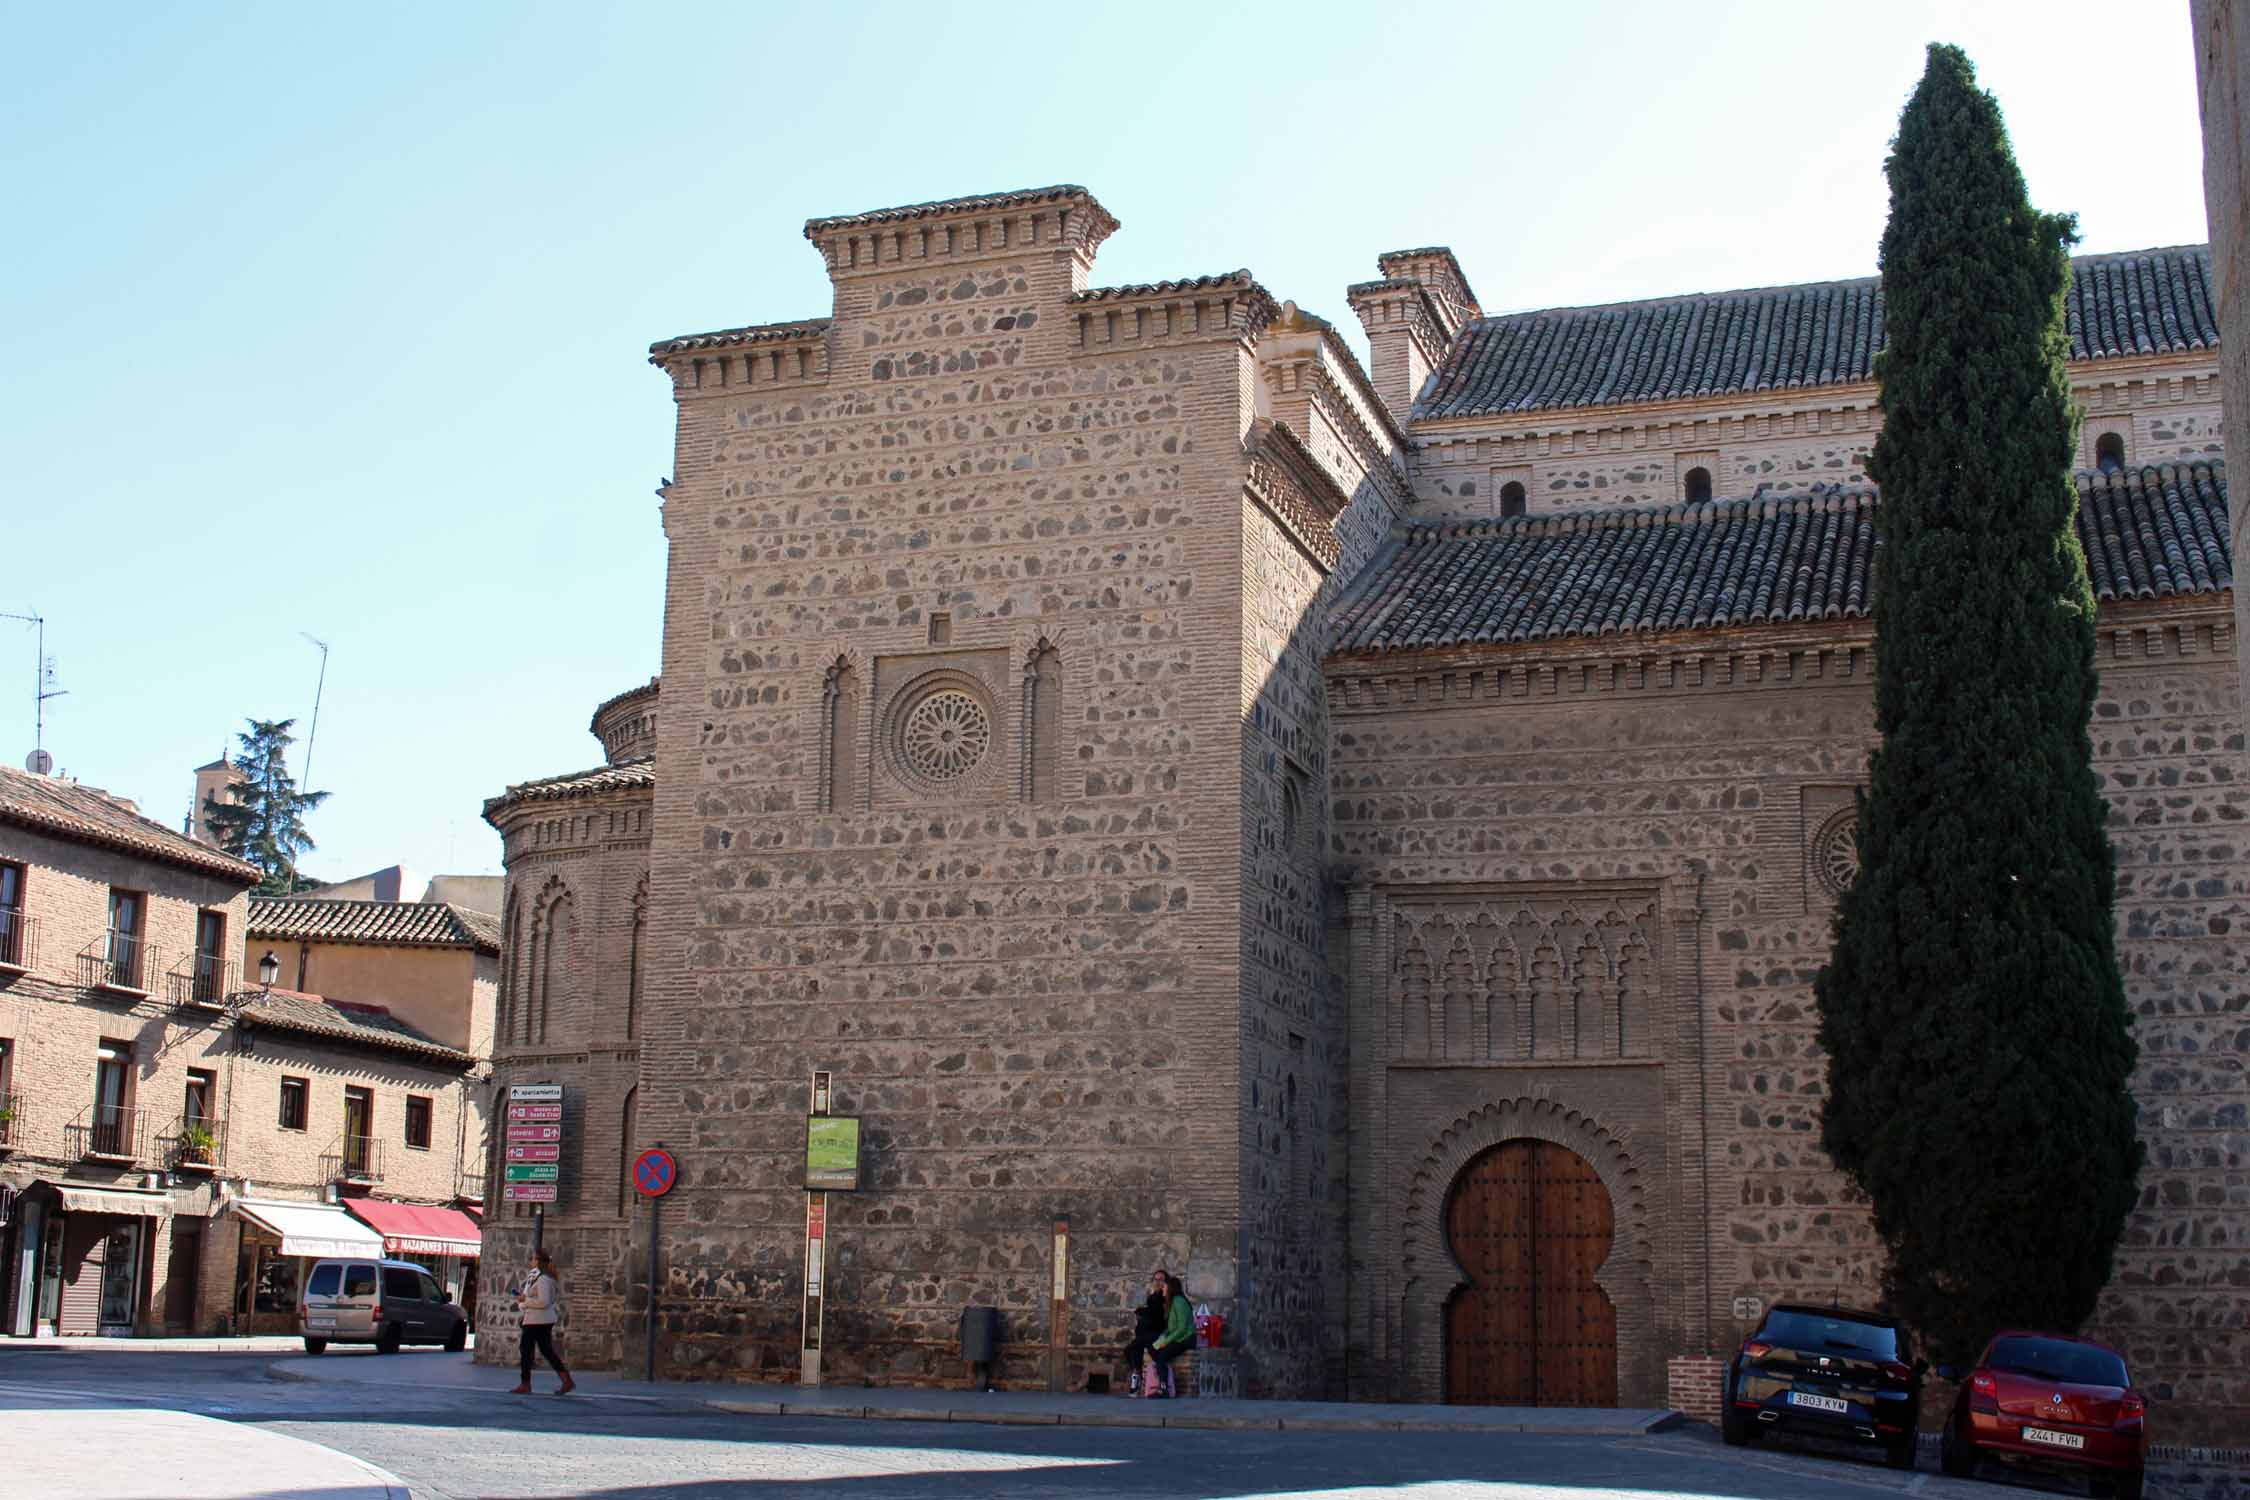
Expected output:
(1550, 783)
(1031, 1001)
(1695, 1385)
(576, 952)
(1577, 460)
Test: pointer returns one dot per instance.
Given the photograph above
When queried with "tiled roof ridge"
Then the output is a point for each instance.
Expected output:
(1239, 278)
(735, 338)
(119, 827)
(1674, 299)
(970, 203)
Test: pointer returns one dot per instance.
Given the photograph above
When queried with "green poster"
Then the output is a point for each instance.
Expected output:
(832, 1152)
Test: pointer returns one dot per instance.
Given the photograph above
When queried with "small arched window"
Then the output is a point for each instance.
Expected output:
(1697, 486)
(1511, 498)
(2109, 452)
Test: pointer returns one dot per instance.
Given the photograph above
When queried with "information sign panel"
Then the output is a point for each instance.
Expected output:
(832, 1152)
(532, 1171)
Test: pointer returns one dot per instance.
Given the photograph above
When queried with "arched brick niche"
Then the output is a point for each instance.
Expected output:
(1429, 1275)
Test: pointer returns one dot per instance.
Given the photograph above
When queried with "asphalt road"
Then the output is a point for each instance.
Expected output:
(451, 1445)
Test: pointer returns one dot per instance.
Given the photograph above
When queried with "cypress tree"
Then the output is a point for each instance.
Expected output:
(1980, 1051)
(265, 823)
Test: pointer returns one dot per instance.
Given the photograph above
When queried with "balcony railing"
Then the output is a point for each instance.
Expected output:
(14, 1121)
(202, 981)
(118, 961)
(472, 1183)
(19, 939)
(111, 1132)
(356, 1158)
(196, 1143)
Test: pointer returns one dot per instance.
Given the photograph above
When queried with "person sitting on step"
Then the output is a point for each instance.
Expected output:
(1178, 1336)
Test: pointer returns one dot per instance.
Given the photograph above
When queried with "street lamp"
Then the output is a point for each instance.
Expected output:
(269, 969)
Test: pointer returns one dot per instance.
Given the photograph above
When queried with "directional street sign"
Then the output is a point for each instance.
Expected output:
(532, 1157)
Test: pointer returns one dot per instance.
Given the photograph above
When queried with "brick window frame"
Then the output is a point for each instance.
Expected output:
(125, 946)
(15, 949)
(419, 1110)
(300, 1090)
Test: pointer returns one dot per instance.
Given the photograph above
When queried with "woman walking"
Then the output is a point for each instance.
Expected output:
(539, 1300)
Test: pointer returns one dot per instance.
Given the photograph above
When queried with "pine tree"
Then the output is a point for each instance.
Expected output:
(1980, 1051)
(265, 824)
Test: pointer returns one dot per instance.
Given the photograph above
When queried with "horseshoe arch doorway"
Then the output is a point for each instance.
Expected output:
(1530, 1224)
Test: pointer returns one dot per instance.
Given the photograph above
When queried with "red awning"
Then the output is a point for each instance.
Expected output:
(417, 1229)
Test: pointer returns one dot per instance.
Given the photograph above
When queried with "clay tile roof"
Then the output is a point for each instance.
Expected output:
(404, 924)
(1061, 192)
(626, 775)
(369, 1025)
(2149, 533)
(1777, 338)
(646, 689)
(735, 338)
(1240, 280)
(88, 815)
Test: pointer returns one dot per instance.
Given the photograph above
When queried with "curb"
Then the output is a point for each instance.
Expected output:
(1339, 1418)
(1181, 1420)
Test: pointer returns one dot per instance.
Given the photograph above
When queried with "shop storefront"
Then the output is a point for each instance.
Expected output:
(78, 1259)
(444, 1241)
(280, 1241)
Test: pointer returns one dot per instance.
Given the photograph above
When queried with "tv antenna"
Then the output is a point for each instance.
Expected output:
(39, 763)
(319, 687)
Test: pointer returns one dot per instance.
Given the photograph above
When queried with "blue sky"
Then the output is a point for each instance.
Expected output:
(334, 319)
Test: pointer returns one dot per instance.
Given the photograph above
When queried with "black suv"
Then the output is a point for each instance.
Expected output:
(1829, 1371)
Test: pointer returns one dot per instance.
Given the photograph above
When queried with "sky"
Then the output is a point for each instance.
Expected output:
(327, 322)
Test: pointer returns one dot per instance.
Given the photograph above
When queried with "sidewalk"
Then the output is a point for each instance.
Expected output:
(90, 1344)
(437, 1371)
(120, 1453)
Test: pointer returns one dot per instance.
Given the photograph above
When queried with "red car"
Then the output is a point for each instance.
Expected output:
(2055, 1402)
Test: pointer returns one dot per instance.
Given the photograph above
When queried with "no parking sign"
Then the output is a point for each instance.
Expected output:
(654, 1172)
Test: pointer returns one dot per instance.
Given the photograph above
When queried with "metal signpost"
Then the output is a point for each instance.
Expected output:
(532, 1151)
(831, 1162)
(654, 1172)
(1058, 1312)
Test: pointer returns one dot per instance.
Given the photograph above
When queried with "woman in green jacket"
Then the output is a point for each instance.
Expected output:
(1178, 1336)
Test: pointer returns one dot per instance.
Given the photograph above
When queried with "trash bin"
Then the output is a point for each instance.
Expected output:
(980, 1334)
(980, 1343)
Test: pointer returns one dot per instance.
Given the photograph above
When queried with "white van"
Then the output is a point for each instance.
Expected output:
(381, 1302)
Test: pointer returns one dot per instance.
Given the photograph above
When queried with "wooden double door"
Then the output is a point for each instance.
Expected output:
(1530, 1223)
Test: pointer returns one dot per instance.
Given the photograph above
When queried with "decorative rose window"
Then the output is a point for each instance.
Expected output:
(1835, 852)
(945, 735)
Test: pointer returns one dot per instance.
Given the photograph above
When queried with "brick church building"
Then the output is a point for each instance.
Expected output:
(1361, 836)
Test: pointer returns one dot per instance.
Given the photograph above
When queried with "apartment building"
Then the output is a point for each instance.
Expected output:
(177, 1136)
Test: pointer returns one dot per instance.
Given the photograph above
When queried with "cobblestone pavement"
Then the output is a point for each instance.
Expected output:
(455, 1445)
